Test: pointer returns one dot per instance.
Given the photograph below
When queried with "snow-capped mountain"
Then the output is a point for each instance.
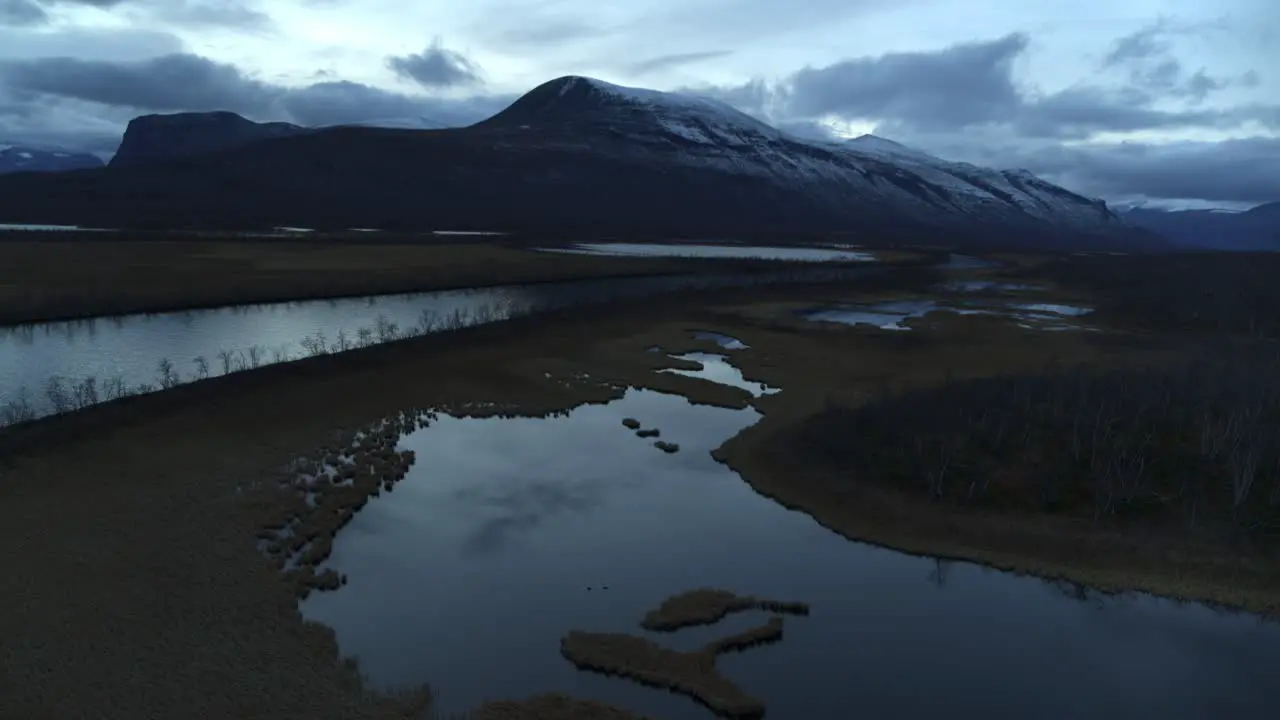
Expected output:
(1254, 229)
(974, 185)
(28, 158)
(705, 133)
(583, 155)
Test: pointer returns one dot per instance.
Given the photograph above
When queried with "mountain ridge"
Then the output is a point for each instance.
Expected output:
(1255, 229)
(578, 152)
(21, 157)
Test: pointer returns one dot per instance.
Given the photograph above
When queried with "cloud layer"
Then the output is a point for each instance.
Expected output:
(1143, 115)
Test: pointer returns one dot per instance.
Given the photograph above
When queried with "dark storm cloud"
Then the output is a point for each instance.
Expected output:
(21, 13)
(663, 62)
(961, 85)
(1244, 170)
(342, 102)
(183, 82)
(166, 83)
(436, 67)
(972, 85)
(1080, 112)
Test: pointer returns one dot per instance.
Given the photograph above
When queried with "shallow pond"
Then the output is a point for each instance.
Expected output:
(717, 369)
(46, 367)
(718, 251)
(50, 228)
(893, 315)
(506, 533)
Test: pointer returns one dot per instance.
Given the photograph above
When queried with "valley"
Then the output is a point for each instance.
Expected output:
(394, 504)
(620, 403)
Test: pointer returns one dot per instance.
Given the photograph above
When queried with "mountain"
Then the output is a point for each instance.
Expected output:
(580, 155)
(1255, 229)
(1008, 191)
(27, 158)
(153, 138)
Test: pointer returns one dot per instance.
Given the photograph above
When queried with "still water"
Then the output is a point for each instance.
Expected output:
(804, 254)
(44, 367)
(894, 314)
(501, 537)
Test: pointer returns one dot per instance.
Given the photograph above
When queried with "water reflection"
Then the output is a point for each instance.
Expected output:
(717, 369)
(717, 251)
(471, 572)
(60, 366)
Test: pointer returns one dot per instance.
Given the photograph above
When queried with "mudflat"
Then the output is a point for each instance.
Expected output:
(133, 526)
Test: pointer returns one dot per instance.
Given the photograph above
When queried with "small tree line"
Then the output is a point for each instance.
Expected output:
(62, 394)
(1200, 444)
(1234, 293)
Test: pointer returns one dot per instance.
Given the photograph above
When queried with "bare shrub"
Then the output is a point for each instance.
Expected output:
(1201, 443)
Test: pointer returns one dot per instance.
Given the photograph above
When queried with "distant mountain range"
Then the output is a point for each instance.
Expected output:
(572, 155)
(16, 157)
(1256, 229)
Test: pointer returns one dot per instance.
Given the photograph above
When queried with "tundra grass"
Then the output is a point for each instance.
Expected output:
(137, 523)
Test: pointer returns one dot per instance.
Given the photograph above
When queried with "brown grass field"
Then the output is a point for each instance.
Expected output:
(42, 279)
(135, 588)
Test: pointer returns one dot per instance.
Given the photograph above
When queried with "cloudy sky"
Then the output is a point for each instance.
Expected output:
(1167, 101)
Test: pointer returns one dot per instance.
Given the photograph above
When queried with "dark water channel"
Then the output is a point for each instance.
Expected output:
(504, 533)
(58, 366)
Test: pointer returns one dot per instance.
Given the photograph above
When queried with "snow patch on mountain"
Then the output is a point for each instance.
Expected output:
(35, 158)
(704, 132)
(714, 121)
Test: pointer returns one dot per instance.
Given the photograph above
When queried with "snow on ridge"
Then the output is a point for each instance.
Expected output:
(884, 147)
(719, 135)
(709, 109)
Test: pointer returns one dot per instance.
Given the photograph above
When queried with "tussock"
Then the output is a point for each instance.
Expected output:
(688, 673)
(706, 606)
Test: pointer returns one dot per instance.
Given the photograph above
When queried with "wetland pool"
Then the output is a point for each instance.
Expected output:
(894, 314)
(508, 533)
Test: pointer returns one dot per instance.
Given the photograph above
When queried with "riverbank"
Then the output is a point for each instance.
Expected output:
(136, 521)
(43, 280)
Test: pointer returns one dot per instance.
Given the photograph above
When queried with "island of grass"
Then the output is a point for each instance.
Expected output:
(707, 606)
(688, 673)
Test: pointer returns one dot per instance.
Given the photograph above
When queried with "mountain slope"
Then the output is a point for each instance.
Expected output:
(155, 138)
(26, 158)
(583, 155)
(1255, 229)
